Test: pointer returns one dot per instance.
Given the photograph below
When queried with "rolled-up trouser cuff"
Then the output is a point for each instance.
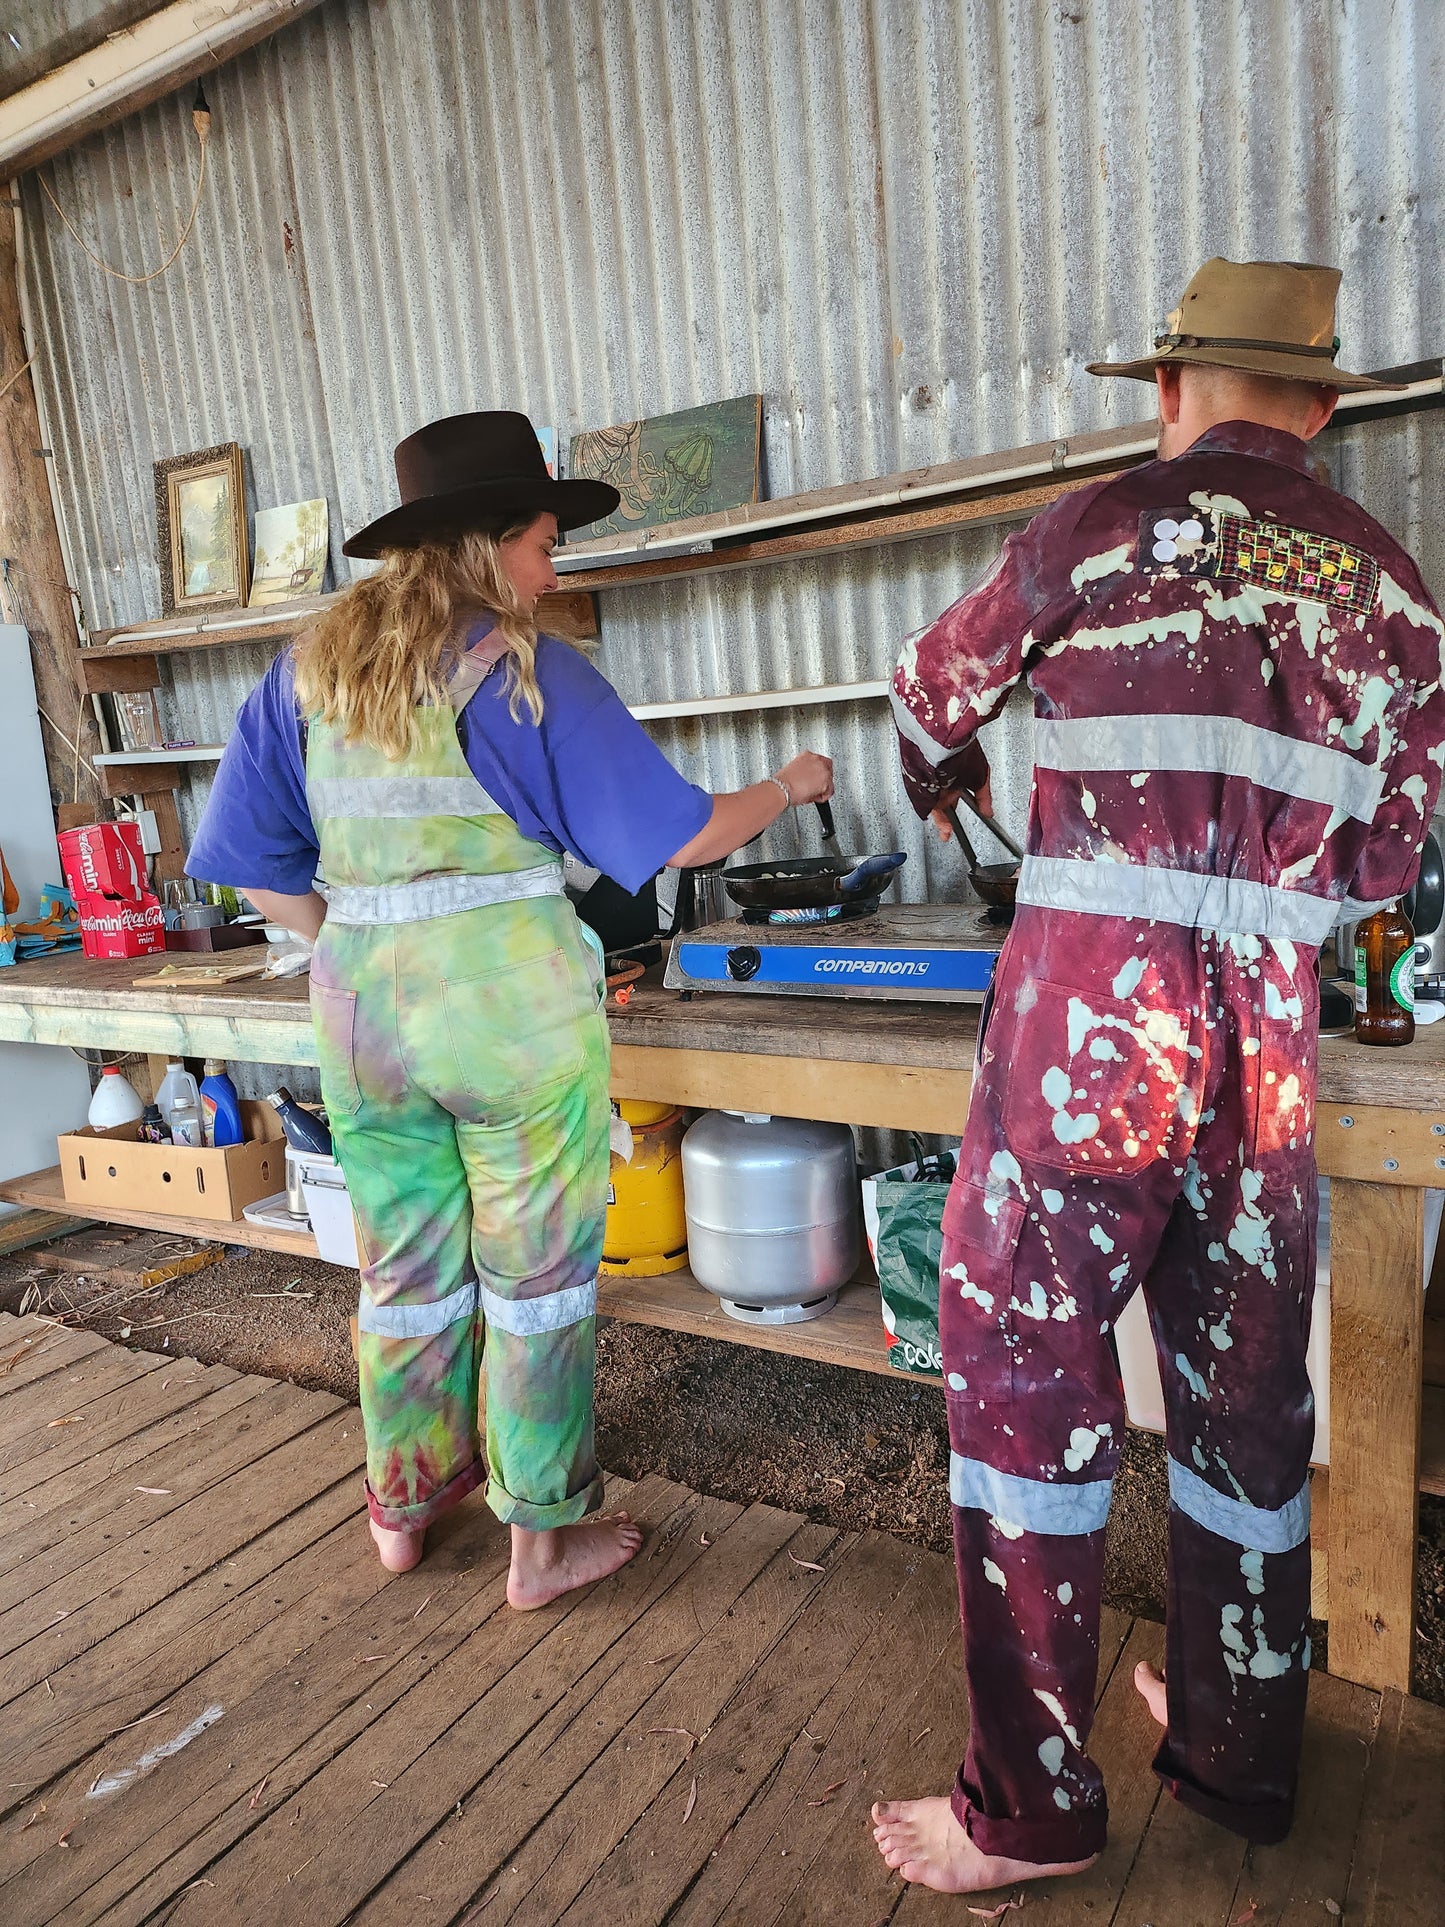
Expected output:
(1264, 1826)
(543, 1518)
(1045, 1842)
(416, 1518)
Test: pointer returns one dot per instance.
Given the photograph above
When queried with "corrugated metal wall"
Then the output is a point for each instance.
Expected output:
(906, 222)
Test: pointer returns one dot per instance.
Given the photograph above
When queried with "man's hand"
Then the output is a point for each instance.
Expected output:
(983, 796)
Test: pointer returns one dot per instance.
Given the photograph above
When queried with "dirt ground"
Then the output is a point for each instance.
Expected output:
(845, 1448)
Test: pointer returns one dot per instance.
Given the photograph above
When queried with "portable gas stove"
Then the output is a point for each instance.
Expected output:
(932, 952)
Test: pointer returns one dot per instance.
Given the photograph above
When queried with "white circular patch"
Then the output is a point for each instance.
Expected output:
(1167, 528)
(1165, 552)
(1191, 530)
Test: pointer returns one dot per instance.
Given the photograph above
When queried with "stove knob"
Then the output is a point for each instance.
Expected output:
(744, 962)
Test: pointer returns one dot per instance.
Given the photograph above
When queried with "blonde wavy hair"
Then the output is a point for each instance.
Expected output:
(391, 641)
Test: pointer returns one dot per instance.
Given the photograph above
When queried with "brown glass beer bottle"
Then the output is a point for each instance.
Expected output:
(1385, 978)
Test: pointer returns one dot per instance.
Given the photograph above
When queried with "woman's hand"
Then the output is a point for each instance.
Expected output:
(809, 778)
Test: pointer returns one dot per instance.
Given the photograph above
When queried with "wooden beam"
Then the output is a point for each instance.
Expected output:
(105, 676)
(125, 779)
(892, 1097)
(128, 70)
(1377, 1235)
(170, 860)
(34, 590)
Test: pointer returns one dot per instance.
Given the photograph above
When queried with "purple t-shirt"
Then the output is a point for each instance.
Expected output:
(586, 780)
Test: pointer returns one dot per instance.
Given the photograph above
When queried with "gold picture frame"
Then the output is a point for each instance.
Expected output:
(201, 530)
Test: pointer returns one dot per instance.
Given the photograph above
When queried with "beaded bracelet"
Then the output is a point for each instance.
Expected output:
(787, 793)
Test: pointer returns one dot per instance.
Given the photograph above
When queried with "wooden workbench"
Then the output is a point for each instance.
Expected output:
(1380, 1138)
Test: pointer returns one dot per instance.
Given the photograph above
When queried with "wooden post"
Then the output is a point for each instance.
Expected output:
(38, 593)
(1377, 1256)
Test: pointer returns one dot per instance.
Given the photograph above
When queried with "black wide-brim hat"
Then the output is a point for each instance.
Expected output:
(469, 471)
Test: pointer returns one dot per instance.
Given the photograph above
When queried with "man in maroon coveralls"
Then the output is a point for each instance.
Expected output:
(1238, 732)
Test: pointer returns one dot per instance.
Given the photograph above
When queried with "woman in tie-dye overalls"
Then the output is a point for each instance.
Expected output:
(450, 756)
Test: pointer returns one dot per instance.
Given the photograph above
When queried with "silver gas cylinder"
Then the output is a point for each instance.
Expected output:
(772, 1213)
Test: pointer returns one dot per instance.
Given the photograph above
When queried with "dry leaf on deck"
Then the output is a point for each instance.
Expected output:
(155, 1491)
(34, 1817)
(1243, 1920)
(74, 1419)
(1332, 1907)
(423, 1606)
(691, 1802)
(257, 1794)
(704, 1541)
(685, 1732)
(806, 1564)
(996, 1913)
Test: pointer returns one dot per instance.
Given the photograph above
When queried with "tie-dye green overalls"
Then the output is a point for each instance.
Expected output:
(464, 1064)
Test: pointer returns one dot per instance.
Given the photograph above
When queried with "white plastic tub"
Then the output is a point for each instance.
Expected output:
(328, 1204)
(1144, 1392)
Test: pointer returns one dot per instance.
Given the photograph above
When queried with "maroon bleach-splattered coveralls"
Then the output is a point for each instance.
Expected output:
(1237, 744)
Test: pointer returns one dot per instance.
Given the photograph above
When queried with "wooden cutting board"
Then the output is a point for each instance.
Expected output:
(200, 976)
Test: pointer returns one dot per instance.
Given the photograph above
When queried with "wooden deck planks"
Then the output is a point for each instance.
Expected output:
(407, 1749)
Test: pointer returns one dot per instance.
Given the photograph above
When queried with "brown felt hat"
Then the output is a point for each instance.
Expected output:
(471, 471)
(1263, 317)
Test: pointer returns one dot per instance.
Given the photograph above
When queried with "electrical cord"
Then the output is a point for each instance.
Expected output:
(201, 120)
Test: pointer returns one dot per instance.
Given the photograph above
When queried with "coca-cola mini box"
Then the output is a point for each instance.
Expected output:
(111, 929)
(106, 860)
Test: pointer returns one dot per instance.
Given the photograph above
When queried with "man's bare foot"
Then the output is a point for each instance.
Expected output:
(400, 1551)
(1149, 1684)
(547, 1564)
(924, 1841)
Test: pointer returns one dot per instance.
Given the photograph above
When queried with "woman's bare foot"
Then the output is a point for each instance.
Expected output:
(400, 1551)
(1149, 1684)
(924, 1841)
(547, 1564)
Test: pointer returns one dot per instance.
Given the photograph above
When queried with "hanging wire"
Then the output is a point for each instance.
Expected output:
(201, 120)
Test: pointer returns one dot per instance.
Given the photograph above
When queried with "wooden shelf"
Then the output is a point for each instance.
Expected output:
(202, 753)
(851, 1334)
(44, 1190)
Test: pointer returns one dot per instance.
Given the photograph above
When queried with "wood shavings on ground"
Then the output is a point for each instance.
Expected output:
(691, 1802)
(251, 1804)
(33, 1818)
(423, 1606)
(75, 1418)
(1243, 1920)
(997, 1913)
(155, 1491)
(807, 1564)
(683, 1732)
(826, 1798)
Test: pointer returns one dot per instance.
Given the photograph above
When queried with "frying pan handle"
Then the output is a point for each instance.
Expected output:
(825, 817)
(970, 855)
(993, 827)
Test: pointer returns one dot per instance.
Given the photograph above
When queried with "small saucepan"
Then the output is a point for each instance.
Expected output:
(995, 883)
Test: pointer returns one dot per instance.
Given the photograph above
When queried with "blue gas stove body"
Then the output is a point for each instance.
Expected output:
(913, 952)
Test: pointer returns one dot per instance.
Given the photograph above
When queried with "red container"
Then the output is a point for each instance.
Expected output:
(111, 929)
(106, 860)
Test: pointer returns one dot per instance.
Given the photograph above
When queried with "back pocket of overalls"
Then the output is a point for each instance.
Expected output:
(333, 1016)
(1100, 1086)
(517, 1030)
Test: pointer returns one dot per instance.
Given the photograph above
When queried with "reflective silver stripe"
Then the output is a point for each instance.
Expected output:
(1255, 1527)
(417, 1321)
(910, 727)
(446, 895)
(1214, 746)
(526, 1317)
(1198, 902)
(1038, 1505)
(397, 796)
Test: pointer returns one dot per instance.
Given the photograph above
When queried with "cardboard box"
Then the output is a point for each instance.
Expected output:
(114, 1169)
(111, 929)
(106, 860)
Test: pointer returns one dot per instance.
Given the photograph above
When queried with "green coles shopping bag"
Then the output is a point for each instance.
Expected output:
(903, 1212)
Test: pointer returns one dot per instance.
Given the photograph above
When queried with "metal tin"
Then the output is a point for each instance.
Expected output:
(772, 1213)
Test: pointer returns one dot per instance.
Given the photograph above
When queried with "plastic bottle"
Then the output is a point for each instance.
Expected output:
(153, 1126)
(180, 1104)
(304, 1129)
(220, 1106)
(115, 1101)
(1385, 978)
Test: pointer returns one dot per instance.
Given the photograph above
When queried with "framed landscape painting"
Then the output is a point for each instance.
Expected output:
(201, 530)
(670, 467)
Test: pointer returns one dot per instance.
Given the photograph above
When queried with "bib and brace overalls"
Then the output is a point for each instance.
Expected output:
(464, 1065)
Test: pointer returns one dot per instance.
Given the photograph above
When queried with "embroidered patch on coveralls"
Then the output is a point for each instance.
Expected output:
(1269, 555)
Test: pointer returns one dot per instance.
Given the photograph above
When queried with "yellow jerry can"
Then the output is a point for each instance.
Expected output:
(646, 1218)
